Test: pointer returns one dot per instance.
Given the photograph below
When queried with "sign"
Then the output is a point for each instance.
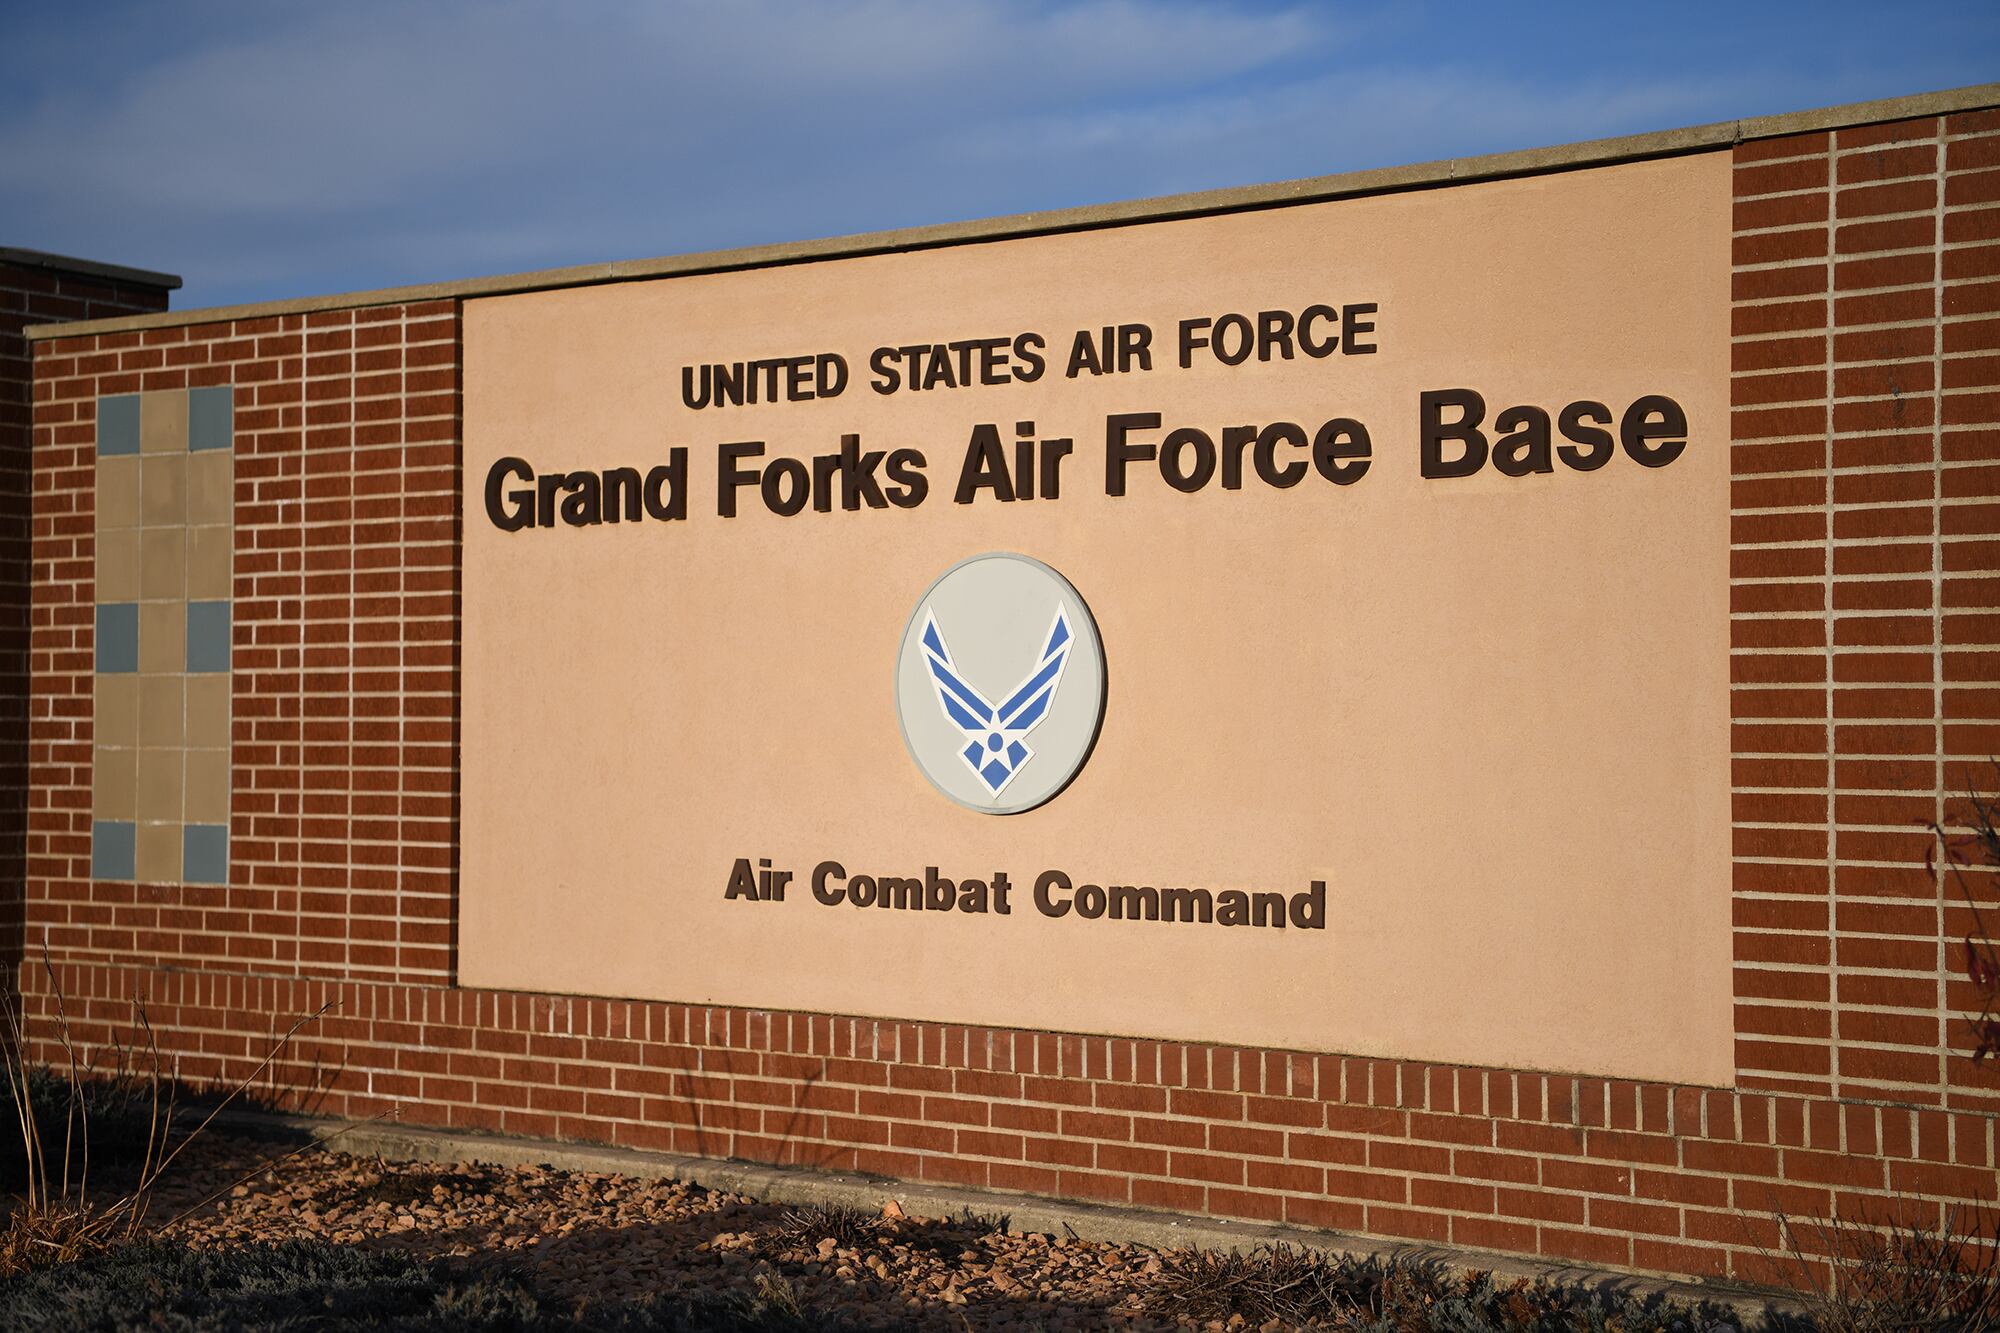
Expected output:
(1403, 521)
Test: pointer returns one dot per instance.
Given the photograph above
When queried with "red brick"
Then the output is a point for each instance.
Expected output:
(1951, 1182)
(1169, 1195)
(1781, 247)
(1644, 1218)
(1366, 1185)
(1593, 1247)
(1778, 353)
(1331, 1214)
(1407, 1224)
(1887, 164)
(1202, 1166)
(1589, 1177)
(1785, 210)
(1791, 145)
(1808, 173)
(1207, 1105)
(1391, 1155)
(1884, 133)
(1285, 1178)
(1906, 196)
(1243, 1141)
(1772, 283)
(1512, 1168)
(1473, 1131)
(1451, 1195)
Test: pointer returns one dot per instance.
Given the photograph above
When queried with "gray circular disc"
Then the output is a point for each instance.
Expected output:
(1000, 683)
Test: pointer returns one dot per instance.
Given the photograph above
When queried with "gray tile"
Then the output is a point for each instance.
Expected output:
(112, 843)
(118, 424)
(211, 418)
(208, 636)
(205, 854)
(117, 636)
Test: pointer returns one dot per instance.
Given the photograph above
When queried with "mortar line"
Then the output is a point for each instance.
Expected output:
(1938, 584)
(1827, 657)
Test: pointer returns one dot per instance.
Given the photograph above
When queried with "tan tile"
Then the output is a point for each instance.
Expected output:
(163, 490)
(162, 707)
(211, 486)
(162, 565)
(207, 788)
(117, 719)
(208, 710)
(118, 565)
(114, 784)
(159, 853)
(163, 422)
(159, 784)
(162, 637)
(210, 575)
(118, 492)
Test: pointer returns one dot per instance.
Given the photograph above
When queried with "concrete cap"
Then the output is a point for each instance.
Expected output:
(1384, 180)
(88, 268)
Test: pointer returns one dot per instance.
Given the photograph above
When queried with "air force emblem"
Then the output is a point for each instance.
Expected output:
(1001, 646)
(995, 748)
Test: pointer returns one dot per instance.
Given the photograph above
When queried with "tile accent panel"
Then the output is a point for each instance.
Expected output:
(165, 538)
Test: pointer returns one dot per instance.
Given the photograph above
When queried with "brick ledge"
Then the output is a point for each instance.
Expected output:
(1027, 1212)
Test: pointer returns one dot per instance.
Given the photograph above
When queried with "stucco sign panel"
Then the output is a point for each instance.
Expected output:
(1383, 648)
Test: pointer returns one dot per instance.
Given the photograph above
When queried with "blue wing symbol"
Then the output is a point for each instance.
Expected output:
(995, 750)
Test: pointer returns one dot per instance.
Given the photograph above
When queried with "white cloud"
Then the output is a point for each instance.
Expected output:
(352, 105)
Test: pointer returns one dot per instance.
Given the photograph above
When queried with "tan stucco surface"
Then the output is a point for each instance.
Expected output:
(1492, 713)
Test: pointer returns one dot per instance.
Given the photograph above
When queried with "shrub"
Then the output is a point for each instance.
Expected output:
(57, 1218)
(116, 1103)
(981, 1224)
(1975, 848)
(770, 1307)
(1304, 1288)
(311, 1284)
(1859, 1277)
(300, 1284)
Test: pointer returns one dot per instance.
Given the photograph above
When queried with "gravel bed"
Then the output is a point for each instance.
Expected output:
(583, 1238)
(613, 1249)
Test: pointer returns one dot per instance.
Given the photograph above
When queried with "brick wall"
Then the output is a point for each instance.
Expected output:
(1864, 629)
(1867, 596)
(1646, 1175)
(344, 686)
(30, 293)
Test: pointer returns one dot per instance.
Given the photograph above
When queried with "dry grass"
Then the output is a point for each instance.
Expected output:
(1974, 846)
(56, 1233)
(1896, 1277)
(58, 1219)
(841, 1223)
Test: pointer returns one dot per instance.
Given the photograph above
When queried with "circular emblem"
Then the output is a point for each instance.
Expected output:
(1000, 683)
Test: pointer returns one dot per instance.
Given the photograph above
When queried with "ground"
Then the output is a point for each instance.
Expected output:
(250, 1233)
(580, 1237)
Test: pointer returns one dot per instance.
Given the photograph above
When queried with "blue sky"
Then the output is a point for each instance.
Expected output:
(263, 148)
